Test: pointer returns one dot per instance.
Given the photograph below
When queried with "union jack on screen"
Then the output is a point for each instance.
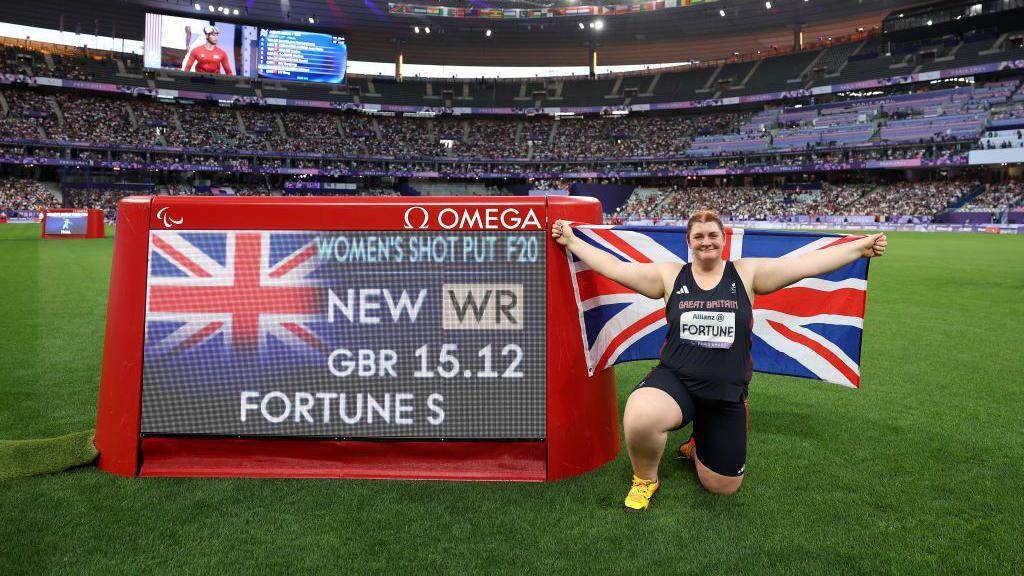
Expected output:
(811, 329)
(233, 288)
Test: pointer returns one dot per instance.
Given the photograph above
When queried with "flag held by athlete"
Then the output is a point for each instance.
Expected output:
(811, 328)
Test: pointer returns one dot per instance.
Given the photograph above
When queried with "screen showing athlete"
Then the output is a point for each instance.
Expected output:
(207, 57)
(705, 363)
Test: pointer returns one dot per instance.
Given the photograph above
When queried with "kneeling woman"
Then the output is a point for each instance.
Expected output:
(705, 363)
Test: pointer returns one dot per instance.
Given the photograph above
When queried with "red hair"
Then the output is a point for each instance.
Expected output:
(703, 217)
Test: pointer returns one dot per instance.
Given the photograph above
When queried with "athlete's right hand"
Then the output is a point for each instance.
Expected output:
(562, 232)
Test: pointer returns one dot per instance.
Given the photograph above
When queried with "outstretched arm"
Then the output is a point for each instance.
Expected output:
(644, 278)
(189, 61)
(771, 274)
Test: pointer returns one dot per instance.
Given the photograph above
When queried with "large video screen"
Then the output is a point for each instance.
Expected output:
(302, 56)
(213, 47)
(198, 45)
(390, 334)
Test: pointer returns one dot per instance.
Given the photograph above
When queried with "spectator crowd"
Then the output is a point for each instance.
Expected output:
(768, 203)
(25, 194)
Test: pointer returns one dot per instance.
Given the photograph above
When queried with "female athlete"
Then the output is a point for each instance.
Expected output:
(207, 57)
(705, 363)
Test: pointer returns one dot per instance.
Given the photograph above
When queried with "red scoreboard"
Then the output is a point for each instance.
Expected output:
(428, 338)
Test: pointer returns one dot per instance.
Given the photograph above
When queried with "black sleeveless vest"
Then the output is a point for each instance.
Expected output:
(709, 336)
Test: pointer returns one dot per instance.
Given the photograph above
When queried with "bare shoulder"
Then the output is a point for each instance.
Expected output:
(747, 268)
(669, 271)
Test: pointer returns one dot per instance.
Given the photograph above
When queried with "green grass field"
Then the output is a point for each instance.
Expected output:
(920, 471)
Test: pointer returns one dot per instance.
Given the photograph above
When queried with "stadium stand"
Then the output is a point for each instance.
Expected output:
(918, 199)
(919, 123)
(996, 198)
(889, 202)
(858, 59)
(25, 194)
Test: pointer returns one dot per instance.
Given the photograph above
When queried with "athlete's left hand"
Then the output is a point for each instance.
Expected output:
(873, 246)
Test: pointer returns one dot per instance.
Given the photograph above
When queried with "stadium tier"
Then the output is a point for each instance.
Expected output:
(892, 202)
(76, 120)
(836, 65)
(775, 115)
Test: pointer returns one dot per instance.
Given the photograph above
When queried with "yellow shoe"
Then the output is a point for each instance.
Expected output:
(639, 497)
(686, 449)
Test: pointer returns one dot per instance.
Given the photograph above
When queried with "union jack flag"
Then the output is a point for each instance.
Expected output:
(237, 291)
(811, 329)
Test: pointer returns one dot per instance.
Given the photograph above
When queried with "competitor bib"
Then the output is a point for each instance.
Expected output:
(708, 329)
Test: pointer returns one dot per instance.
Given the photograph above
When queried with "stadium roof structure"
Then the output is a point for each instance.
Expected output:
(692, 31)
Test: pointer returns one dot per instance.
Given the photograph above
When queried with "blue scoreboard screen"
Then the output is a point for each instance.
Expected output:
(392, 334)
(301, 56)
(67, 223)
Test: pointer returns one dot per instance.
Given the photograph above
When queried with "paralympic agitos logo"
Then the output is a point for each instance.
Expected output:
(419, 218)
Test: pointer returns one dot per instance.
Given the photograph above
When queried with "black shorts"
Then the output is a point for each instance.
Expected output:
(719, 427)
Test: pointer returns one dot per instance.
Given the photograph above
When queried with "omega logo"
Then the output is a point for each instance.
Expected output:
(416, 210)
(474, 218)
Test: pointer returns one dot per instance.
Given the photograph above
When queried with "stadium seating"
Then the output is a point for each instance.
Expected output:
(922, 123)
(852, 61)
(997, 198)
(25, 194)
(888, 201)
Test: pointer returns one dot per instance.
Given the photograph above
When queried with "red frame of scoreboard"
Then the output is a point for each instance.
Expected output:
(94, 225)
(582, 411)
